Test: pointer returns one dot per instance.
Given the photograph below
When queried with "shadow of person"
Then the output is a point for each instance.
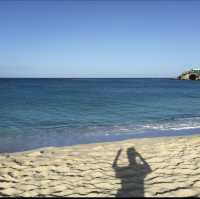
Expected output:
(132, 176)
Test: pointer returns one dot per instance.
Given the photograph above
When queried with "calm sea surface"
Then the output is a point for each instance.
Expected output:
(58, 112)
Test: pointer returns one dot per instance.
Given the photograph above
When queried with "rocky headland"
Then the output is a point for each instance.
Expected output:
(193, 74)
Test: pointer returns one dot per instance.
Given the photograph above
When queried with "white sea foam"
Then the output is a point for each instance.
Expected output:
(175, 125)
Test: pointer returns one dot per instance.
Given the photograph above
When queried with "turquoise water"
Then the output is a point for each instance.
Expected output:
(59, 112)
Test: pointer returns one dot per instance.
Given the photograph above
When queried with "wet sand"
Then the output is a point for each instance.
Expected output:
(167, 166)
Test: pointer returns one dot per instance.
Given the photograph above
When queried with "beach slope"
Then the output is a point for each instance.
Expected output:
(139, 167)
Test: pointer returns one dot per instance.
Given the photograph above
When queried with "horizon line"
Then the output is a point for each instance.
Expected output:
(80, 77)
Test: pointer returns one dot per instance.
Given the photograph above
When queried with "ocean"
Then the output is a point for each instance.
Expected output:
(37, 113)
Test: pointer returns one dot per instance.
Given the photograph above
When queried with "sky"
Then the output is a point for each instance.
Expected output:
(94, 38)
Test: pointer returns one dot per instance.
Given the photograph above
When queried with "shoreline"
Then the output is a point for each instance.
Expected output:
(122, 138)
(113, 138)
(164, 166)
(86, 145)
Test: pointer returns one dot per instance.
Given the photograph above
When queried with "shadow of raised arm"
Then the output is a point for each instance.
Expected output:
(116, 159)
(145, 164)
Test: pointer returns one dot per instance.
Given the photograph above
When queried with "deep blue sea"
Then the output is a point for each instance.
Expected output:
(61, 112)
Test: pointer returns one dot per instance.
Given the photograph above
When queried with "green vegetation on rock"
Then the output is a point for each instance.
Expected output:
(193, 74)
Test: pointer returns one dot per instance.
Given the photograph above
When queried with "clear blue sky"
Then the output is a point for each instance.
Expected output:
(98, 38)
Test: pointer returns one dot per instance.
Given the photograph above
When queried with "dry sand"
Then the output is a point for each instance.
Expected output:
(145, 167)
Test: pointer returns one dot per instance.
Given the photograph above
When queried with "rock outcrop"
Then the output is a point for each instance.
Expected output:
(193, 74)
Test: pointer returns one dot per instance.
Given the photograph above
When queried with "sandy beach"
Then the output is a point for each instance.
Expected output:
(159, 167)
